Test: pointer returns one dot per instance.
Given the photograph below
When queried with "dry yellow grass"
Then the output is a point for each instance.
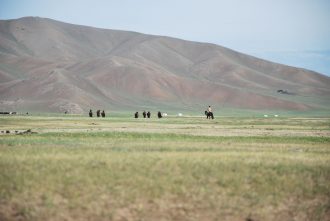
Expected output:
(93, 169)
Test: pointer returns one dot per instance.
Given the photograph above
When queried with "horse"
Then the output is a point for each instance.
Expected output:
(209, 115)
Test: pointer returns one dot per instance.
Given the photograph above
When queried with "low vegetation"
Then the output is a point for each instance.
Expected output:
(75, 168)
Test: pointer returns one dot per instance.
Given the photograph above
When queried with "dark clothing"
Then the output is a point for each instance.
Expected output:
(159, 114)
(144, 114)
(148, 114)
(103, 113)
(136, 115)
(98, 113)
(90, 113)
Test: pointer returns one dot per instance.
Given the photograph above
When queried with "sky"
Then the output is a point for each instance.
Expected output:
(292, 32)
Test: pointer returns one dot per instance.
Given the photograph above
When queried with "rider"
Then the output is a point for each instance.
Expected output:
(209, 113)
(209, 109)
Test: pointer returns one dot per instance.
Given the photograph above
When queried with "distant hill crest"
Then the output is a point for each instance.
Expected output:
(51, 66)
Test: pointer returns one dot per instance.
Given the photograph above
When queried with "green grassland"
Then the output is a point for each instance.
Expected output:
(190, 168)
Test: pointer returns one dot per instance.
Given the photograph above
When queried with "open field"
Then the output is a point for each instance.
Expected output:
(77, 168)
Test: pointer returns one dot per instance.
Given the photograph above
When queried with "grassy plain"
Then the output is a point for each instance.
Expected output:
(77, 168)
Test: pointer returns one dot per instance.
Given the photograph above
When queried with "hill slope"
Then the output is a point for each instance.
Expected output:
(46, 65)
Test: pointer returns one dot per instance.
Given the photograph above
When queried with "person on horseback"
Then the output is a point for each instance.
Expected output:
(209, 113)
(209, 109)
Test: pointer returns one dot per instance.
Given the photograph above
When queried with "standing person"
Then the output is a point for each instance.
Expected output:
(98, 113)
(159, 114)
(90, 113)
(144, 114)
(103, 113)
(136, 115)
(148, 114)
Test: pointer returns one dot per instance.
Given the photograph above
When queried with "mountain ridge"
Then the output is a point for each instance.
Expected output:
(51, 66)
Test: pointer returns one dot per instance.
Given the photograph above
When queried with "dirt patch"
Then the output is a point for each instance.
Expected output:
(17, 132)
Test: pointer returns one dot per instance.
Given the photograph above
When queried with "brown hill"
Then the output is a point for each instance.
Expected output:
(46, 65)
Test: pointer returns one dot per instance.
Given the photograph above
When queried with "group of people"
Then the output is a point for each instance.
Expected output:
(147, 114)
(208, 113)
(98, 113)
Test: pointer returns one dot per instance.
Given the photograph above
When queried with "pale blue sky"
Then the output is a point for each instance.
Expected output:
(293, 32)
